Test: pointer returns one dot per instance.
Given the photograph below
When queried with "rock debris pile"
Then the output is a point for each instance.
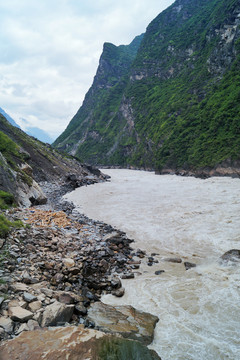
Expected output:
(57, 266)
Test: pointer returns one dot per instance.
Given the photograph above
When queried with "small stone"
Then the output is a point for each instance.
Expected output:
(23, 327)
(159, 272)
(29, 297)
(35, 305)
(174, 260)
(33, 325)
(4, 288)
(47, 292)
(17, 287)
(2, 333)
(80, 309)
(19, 314)
(66, 299)
(116, 283)
(68, 262)
(189, 265)
(57, 278)
(128, 276)
(74, 270)
(119, 292)
(1, 300)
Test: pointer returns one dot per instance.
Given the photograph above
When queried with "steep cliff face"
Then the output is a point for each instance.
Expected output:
(97, 127)
(178, 105)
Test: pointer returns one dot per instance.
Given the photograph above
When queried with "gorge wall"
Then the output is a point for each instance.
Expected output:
(170, 99)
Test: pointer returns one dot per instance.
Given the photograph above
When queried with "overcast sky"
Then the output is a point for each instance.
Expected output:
(50, 49)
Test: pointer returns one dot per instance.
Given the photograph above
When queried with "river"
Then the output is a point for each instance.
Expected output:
(192, 219)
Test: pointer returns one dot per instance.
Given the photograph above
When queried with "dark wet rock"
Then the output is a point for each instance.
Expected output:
(189, 265)
(159, 272)
(123, 320)
(232, 255)
(3, 288)
(66, 298)
(119, 292)
(116, 283)
(129, 275)
(80, 309)
(140, 253)
(174, 260)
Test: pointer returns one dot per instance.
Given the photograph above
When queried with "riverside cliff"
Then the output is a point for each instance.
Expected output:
(174, 106)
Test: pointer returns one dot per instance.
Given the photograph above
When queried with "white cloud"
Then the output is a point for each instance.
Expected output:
(50, 51)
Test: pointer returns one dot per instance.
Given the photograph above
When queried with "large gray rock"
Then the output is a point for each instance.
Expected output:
(57, 313)
(33, 195)
(73, 343)
(17, 313)
(124, 320)
(7, 324)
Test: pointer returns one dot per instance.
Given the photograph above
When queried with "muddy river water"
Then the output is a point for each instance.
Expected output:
(192, 219)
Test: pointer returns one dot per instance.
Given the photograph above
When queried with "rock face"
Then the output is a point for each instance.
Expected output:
(25, 162)
(123, 320)
(73, 343)
(169, 109)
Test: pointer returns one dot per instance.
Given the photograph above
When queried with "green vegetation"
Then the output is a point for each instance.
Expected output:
(6, 225)
(9, 149)
(176, 104)
(121, 349)
(6, 200)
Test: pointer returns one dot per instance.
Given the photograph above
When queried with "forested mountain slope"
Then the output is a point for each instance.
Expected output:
(175, 102)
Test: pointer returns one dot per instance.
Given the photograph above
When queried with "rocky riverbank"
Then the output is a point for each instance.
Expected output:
(55, 269)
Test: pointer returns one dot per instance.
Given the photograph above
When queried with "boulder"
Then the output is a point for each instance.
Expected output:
(17, 313)
(57, 313)
(232, 255)
(73, 343)
(123, 320)
(7, 324)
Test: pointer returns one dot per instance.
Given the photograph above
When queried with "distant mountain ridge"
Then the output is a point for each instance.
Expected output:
(174, 103)
(9, 119)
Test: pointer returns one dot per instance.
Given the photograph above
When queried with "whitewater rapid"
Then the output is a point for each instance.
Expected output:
(196, 220)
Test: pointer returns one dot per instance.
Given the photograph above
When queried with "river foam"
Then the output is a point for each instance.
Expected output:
(196, 220)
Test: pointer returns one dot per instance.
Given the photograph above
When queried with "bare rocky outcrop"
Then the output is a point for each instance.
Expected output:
(73, 343)
(124, 320)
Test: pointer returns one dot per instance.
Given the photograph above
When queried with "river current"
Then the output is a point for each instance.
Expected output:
(192, 219)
